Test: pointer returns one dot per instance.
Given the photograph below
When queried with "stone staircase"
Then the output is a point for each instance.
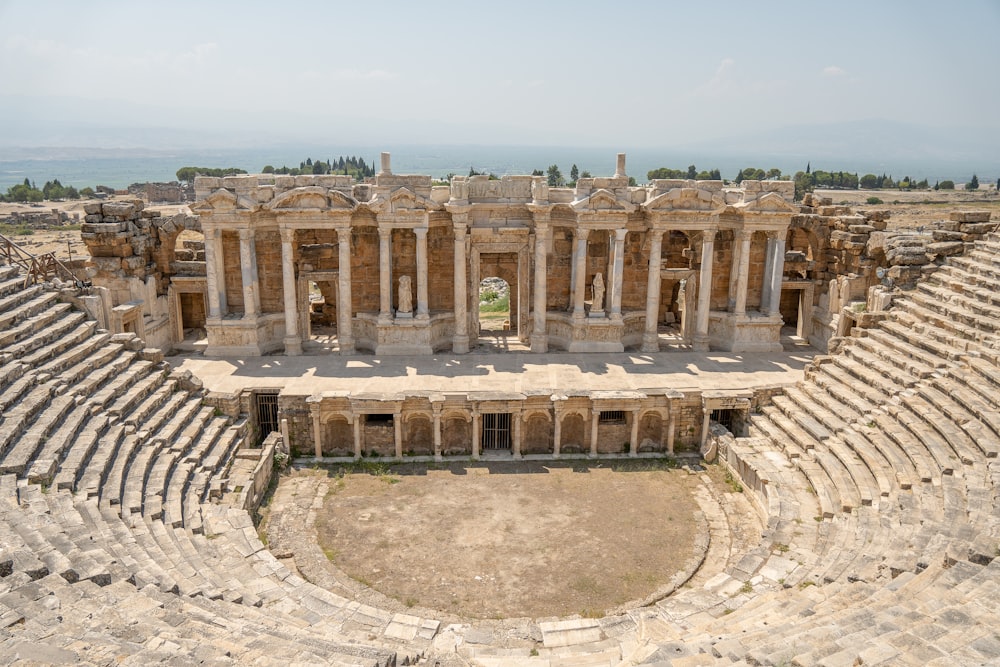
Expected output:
(876, 481)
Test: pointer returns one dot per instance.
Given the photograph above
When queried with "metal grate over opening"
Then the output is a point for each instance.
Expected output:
(496, 431)
(723, 417)
(267, 414)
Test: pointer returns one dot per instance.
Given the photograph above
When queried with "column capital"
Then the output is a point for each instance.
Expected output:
(385, 232)
(773, 234)
(581, 233)
(287, 234)
(708, 235)
(657, 233)
(620, 234)
(421, 232)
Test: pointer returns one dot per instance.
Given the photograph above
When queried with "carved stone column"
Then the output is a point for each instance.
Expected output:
(293, 343)
(248, 266)
(212, 260)
(437, 431)
(317, 426)
(556, 434)
(777, 269)
(516, 444)
(671, 427)
(460, 342)
(477, 422)
(345, 309)
(742, 276)
(734, 270)
(650, 337)
(422, 312)
(357, 436)
(580, 271)
(539, 337)
(617, 270)
(397, 432)
(385, 274)
(633, 441)
(704, 291)
(595, 417)
(765, 290)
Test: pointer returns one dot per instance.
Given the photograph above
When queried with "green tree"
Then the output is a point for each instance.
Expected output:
(947, 185)
(665, 172)
(692, 171)
(574, 173)
(268, 169)
(973, 184)
(869, 181)
(555, 176)
(537, 172)
(586, 174)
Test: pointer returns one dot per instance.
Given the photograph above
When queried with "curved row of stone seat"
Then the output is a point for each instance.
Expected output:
(129, 455)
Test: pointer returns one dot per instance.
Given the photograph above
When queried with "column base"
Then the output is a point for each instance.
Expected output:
(650, 342)
(539, 343)
(700, 343)
(460, 344)
(293, 346)
(347, 347)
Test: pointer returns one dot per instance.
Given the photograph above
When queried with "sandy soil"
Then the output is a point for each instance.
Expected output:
(502, 540)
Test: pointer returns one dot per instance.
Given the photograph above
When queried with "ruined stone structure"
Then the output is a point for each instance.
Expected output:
(126, 496)
(700, 254)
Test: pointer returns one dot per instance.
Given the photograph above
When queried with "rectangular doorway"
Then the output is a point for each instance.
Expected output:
(496, 431)
(267, 415)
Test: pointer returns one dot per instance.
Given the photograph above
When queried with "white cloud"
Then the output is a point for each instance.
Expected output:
(833, 70)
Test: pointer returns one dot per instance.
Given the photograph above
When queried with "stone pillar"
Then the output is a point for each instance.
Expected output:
(580, 271)
(617, 270)
(386, 164)
(742, 277)
(704, 425)
(765, 291)
(595, 416)
(704, 291)
(460, 342)
(422, 312)
(777, 269)
(248, 266)
(477, 421)
(397, 432)
(650, 337)
(539, 337)
(734, 270)
(212, 261)
(385, 274)
(345, 309)
(633, 440)
(437, 431)
(671, 427)
(357, 436)
(317, 429)
(620, 166)
(516, 444)
(556, 434)
(293, 343)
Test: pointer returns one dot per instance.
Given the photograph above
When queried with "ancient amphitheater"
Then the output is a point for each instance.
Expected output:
(127, 490)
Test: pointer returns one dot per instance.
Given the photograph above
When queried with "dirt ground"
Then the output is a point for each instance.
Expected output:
(511, 539)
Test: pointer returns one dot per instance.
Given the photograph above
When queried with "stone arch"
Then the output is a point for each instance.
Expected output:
(573, 434)
(456, 435)
(651, 431)
(418, 435)
(338, 437)
(538, 432)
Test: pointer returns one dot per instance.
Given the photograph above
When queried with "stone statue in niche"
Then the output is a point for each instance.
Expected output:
(405, 301)
(597, 305)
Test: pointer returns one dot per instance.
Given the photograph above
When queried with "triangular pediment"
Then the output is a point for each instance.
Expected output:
(220, 200)
(403, 200)
(771, 202)
(603, 200)
(686, 199)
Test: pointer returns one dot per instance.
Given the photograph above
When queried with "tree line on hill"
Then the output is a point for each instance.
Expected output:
(27, 192)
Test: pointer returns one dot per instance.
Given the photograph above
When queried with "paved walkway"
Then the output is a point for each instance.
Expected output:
(508, 372)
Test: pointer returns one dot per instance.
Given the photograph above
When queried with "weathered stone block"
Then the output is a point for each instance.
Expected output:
(124, 210)
(92, 208)
(970, 216)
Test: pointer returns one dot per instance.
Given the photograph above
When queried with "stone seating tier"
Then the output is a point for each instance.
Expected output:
(876, 478)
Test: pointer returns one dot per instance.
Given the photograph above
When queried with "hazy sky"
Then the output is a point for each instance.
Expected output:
(586, 73)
